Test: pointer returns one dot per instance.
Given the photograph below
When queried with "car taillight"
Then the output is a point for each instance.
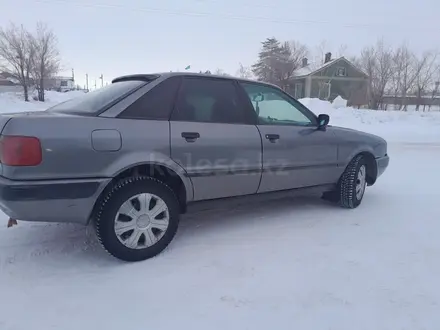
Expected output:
(20, 150)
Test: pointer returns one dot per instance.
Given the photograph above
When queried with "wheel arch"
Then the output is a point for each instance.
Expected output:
(175, 179)
(370, 161)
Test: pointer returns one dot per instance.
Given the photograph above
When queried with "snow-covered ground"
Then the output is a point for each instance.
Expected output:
(13, 102)
(280, 264)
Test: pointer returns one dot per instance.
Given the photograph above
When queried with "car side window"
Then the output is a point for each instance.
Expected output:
(209, 100)
(156, 104)
(275, 108)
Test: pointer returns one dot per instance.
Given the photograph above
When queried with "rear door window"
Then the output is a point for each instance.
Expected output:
(211, 101)
(93, 102)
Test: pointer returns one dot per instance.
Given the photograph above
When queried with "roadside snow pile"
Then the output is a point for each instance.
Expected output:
(13, 102)
(57, 97)
(339, 102)
(394, 126)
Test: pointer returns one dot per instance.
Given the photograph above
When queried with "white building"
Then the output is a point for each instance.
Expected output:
(61, 84)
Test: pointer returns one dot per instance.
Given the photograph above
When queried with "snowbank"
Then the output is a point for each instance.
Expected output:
(57, 97)
(395, 126)
(339, 102)
(13, 102)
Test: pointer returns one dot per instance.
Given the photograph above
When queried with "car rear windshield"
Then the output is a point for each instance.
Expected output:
(92, 102)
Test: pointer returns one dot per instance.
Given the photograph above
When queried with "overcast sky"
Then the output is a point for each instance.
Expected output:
(115, 37)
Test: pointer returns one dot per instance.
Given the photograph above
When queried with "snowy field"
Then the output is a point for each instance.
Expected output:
(282, 264)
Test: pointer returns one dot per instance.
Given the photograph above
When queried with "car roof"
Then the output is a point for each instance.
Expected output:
(152, 76)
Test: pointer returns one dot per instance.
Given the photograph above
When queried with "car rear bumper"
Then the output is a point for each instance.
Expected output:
(382, 164)
(50, 200)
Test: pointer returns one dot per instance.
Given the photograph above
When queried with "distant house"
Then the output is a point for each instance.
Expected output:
(7, 79)
(60, 84)
(8, 83)
(335, 77)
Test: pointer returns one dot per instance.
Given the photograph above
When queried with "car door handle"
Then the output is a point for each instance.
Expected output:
(190, 136)
(272, 137)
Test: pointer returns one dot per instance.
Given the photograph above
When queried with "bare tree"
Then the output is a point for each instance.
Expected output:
(220, 72)
(46, 60)
(435, 88)
(377, 62)
(320, 52)
(342, 51)
(405, 72)
(16, 53)
(427, 67)
(244, 72)
(396, 79)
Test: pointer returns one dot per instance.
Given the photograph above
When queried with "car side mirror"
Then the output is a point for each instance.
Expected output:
(323, 121)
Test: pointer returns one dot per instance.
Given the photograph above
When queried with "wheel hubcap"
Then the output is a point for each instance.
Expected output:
(141, 221)
(361, 182)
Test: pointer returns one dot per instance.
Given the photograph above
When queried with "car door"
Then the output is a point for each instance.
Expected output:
(214, 138)
(295, 153)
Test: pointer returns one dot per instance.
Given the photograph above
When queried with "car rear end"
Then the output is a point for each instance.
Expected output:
(42, 170)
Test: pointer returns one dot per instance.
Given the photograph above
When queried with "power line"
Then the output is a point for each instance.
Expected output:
(245, 4)
(203, 14)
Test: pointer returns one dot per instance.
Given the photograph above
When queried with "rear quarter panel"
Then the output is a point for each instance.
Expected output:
(68, 152)
(66, 145)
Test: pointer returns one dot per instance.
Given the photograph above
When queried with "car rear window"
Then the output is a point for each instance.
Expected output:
(93, 102)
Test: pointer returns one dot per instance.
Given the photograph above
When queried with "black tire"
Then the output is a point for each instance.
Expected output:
(347, 184)
(121, 192)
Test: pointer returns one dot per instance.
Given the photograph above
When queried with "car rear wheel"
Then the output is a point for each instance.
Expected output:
(353, 183)
(137, 219)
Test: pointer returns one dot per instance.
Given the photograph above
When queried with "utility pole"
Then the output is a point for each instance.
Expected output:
(87, 82)
(73, 80)
(102, 80)
(95, 83)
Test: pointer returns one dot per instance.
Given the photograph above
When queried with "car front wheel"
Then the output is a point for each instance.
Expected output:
(353, 183)
(137, 219)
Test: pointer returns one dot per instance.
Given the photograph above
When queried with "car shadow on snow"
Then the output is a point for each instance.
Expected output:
(68, 245)
(230, 215)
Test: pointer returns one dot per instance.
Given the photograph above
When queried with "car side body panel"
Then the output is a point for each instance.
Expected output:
(352, 142)
(224, 161)
(301, 157)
